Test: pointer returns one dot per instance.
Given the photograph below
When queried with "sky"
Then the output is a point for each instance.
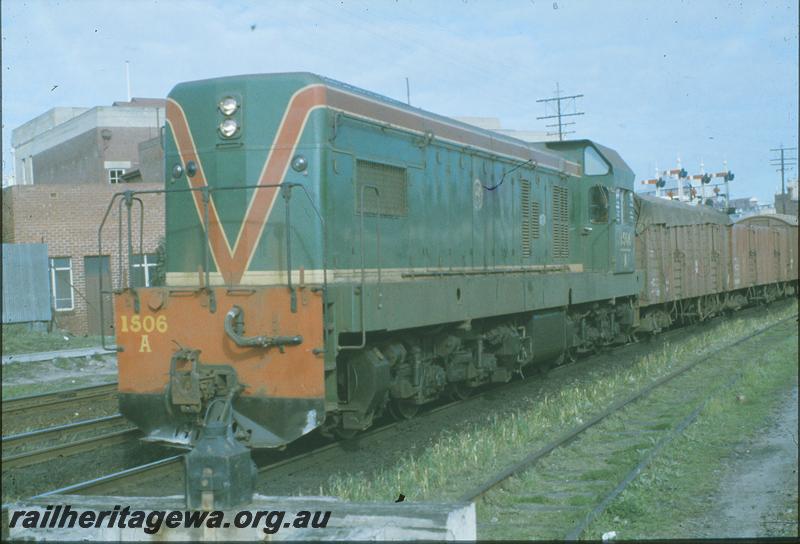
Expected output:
(703, 80)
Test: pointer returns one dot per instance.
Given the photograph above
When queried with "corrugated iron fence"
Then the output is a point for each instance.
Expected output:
(26, 283)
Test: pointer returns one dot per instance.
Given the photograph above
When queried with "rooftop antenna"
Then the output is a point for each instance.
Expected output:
(408, 92)
(784, 163)
(560, 124)
(128, 78)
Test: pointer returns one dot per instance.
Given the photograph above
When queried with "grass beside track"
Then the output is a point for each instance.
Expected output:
(461, 459)
(18, 338)
(672, 498)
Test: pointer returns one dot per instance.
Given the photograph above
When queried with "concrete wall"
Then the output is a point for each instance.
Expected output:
(49, 137)
(151, 160)
(85, 158)
(66, 218)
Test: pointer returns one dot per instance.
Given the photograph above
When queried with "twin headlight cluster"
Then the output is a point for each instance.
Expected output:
(229, 127)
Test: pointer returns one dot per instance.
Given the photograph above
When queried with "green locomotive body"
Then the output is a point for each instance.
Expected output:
(366, 255)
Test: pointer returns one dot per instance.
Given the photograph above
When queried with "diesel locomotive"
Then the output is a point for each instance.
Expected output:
(332, 254)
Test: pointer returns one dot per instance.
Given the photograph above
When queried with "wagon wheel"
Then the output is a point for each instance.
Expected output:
(403, 409)
(459, 391)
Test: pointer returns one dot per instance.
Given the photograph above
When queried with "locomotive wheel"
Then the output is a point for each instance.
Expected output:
(403, 409)
(460, 391)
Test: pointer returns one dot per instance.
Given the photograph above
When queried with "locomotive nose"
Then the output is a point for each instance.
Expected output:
(259, 357)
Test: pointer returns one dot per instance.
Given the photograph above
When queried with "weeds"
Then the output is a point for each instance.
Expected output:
(460, 459)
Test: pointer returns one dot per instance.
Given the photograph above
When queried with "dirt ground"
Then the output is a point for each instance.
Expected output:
(24, 378)
(759, 489)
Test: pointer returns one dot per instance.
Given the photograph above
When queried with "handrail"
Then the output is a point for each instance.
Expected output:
(362, 293)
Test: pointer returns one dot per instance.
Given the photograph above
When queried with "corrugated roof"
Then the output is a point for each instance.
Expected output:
(653, 210)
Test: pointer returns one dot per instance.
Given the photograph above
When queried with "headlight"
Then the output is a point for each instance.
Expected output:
(228, 127)
(177, 171)
(191, 169)
(228, 105)
(299, 163)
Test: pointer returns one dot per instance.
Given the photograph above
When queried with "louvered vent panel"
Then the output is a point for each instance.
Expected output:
(392, 186)
(560, 222)
(535, 219)
(525, 192)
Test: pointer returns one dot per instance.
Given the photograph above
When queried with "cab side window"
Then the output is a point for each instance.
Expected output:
(598, 204)
(593, 163)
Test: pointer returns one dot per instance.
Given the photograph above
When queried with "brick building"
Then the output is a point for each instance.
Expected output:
(66, 217)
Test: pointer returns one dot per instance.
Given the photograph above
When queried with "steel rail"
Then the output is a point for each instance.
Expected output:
(40, 435)
(29, 458)
(571, 435)
(47, 400)
(165, 466)
(168, 465)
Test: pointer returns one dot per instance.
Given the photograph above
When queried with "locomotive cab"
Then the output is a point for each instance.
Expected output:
(605, 216)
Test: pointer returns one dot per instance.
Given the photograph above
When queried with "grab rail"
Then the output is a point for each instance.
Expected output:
(362, 293)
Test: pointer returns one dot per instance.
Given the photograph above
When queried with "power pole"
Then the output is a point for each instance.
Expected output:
(560, 124)
(783, 162)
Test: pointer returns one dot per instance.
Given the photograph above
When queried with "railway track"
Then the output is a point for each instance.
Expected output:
(29, 447)
(139, 477)
(563, 491)
(42, 445)
(23, 413)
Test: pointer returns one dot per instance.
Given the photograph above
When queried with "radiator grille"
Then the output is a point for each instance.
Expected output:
(530, 218)
(560, 222)
(391, 183)
(525, 190)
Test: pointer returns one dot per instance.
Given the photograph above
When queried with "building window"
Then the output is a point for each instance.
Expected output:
(61, 283)
(115, 175)
(144, 267)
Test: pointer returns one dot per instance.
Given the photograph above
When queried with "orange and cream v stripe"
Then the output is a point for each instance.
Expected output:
(233, 262)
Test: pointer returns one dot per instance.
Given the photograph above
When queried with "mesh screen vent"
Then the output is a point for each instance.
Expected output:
(391, 183)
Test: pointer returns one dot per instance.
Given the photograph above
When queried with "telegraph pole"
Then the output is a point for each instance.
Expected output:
(560, 124)
(784, 161)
